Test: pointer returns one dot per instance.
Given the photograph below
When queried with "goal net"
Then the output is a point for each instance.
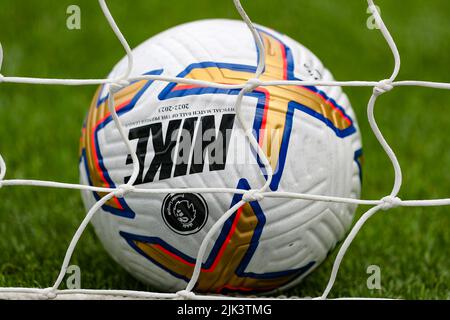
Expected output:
(389, 201)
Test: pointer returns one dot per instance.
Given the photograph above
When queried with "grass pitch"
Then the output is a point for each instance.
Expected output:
(40, 129)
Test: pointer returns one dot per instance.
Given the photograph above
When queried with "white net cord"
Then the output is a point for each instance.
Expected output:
(113, 85)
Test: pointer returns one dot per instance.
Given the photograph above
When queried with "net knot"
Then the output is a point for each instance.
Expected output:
(119, 85)
(186, 295)
(252, 84)
(252, 195)
(390, 202)
(383, 86)
(373, 9)
(50, 293)
(123, 190)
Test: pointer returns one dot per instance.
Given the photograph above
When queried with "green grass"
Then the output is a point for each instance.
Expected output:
(40, 127)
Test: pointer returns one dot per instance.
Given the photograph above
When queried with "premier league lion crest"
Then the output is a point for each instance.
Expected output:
(184, 213)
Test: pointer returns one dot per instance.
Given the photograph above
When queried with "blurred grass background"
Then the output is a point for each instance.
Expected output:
(40, 128)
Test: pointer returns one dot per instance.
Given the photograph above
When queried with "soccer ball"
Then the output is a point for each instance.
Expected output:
(188, 136)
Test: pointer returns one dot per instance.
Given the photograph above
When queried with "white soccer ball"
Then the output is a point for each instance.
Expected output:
(188, 136)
